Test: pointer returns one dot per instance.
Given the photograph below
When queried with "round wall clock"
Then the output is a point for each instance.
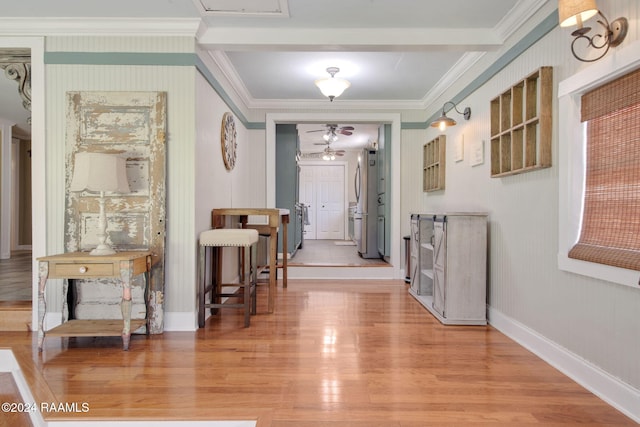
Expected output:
(228, 140)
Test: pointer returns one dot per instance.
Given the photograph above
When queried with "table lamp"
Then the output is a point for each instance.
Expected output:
(100, 172)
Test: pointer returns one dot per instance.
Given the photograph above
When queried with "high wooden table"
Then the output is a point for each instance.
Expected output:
(81, 265)
(274, 218)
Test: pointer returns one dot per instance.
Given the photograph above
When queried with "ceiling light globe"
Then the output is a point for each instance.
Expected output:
(332, 87)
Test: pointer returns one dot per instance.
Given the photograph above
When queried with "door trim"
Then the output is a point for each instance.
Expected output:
(394, 119)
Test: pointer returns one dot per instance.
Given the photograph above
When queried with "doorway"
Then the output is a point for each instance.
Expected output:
(15, 181)
(392, 267)
(38, 162)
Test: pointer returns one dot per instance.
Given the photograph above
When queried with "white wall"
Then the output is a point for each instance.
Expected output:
(215, 186)
(591, 320)
(178, 82)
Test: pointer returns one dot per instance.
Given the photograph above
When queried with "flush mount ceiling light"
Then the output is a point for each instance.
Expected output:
(332, 87)
(444, 122)
(575, 12)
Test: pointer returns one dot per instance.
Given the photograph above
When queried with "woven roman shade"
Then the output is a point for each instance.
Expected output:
(610, 231)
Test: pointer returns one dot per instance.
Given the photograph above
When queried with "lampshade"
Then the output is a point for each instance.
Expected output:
(443, 122)
(574, 12)
(332, 87)
(100, 172)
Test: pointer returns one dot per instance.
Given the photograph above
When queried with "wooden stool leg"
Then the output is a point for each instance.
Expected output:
(216, 276)
(201, 285)
(246, 274)
(254, 277)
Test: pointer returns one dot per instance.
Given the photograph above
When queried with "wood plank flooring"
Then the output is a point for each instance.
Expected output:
(15, 277)
(334, 354)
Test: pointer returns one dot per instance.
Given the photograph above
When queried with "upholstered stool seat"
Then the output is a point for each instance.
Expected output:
(209, 280)
(228, 237)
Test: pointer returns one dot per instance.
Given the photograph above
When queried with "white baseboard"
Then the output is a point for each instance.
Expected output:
(616, 393)
(180, 321)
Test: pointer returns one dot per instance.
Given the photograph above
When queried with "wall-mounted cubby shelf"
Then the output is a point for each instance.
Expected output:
(521, 125)
(433, 169)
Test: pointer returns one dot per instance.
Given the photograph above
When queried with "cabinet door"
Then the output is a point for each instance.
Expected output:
(425, 257)
(439, 271)
(415, 244)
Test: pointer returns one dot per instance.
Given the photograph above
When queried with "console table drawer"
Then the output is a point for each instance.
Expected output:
(76, 270)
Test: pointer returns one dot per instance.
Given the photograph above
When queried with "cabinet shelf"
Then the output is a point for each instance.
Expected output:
(428, 273)
(521, 125)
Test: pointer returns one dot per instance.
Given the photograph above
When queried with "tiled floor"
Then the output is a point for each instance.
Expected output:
(331, 253)
(15, 277)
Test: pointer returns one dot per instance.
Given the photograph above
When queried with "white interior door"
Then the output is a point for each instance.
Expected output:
(330, 202)
(322, 190)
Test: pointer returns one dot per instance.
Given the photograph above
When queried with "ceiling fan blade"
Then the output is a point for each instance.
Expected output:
(317, 130)
(347, 128)
(345, 132)
(320, 143)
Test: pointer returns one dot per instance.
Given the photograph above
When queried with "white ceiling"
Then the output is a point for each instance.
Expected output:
(395, 53)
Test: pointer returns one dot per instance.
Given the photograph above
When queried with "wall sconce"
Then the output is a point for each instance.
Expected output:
(575, 12)
(100, 172)
(332, 87)
(444, 122)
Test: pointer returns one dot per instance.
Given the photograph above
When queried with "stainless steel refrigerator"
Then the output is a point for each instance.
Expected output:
(365, 217)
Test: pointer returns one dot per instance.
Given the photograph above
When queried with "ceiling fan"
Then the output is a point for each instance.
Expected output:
(328, 153)
(331, 133)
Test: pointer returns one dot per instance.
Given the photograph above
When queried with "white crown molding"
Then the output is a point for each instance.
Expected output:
(221, 59)
(100, 26)
(517, 17)
(459, 69)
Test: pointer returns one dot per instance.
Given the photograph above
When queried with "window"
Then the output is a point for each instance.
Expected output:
(611, 206)
(572, 169)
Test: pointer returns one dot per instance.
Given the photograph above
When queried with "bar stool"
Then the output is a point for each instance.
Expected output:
(247, 240)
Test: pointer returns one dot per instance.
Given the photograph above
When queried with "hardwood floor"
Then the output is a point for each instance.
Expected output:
(334, 354)
(15, 277)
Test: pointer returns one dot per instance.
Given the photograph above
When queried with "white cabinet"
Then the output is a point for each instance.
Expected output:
(449, 255)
